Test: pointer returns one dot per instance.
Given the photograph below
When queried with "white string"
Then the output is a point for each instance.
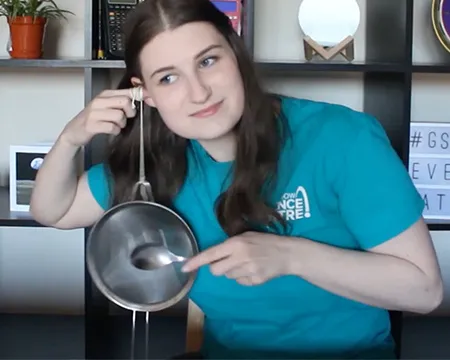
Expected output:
(137, 94)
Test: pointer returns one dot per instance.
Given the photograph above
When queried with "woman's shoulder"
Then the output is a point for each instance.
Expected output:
(99, 181)
(311, 120)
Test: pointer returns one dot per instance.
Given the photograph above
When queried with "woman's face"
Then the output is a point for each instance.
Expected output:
(192, 77)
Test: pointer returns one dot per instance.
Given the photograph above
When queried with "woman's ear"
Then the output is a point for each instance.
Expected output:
(136, 81)
(147, 99)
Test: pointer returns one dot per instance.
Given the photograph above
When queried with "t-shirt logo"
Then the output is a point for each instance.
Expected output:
(295, 205)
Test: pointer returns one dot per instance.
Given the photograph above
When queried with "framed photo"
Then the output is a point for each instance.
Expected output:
(24, 163)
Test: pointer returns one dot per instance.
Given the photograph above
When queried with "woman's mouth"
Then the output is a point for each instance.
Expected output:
(209, 111)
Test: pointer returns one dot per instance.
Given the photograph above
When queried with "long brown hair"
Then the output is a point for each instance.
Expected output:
(260, 132)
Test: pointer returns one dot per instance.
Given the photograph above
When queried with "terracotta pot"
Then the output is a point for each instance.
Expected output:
(27, 35)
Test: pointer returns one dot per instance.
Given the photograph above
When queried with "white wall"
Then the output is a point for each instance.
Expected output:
(42, 270)
(278, 39)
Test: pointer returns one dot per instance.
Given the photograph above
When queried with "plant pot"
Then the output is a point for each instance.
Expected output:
(27, 35)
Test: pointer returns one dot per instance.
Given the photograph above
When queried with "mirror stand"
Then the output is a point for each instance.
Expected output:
(346, 48)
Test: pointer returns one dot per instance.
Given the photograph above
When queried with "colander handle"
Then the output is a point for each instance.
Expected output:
(144, 189)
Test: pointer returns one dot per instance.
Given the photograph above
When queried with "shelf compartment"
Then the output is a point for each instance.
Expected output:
(27, 336)
(41, 337)
(13, 218)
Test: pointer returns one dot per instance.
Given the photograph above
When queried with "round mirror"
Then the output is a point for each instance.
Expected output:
(440, 15)
(328, 22)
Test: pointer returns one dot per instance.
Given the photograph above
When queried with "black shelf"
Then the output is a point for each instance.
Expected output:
(10, 218)
(431, 68)
(68, 337)
(67, 63)
(44, 63)
(267, 67)
(271, 67)
(292, 67)
(287, 67)
(438, 225)
(107, 64)
(330, 66)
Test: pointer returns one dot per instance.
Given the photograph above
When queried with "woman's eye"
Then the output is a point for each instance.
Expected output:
(208, 61)
(168, 79)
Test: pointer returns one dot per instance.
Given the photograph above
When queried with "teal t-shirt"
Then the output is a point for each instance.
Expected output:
(340, 183)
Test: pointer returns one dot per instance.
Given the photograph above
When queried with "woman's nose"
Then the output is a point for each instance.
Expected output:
(199, 91)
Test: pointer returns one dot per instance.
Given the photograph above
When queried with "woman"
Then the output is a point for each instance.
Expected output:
(309, 225)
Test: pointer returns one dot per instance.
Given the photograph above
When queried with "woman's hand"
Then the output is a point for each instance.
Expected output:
(106, 114)
(251, 258)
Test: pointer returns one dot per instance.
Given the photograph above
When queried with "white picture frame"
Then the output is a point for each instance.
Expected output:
(429, 167)
(19, 193)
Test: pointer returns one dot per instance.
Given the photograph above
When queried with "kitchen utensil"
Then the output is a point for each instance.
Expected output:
(135, 251)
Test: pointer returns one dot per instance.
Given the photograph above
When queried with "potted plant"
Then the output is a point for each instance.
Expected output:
(27, 20)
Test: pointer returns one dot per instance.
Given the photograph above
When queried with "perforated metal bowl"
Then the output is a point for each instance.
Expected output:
(109, 256)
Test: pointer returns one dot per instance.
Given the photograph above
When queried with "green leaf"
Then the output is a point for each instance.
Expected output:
(35, 8)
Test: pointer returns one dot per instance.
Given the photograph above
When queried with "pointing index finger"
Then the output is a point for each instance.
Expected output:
(207, 256)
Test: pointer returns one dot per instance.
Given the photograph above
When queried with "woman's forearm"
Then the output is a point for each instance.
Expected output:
(379, 280)
(56, 183)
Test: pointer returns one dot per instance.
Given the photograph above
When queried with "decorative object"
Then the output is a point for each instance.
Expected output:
(233, 9)
(440, 17)
(328, 27)
(27, 20)
(429, 167)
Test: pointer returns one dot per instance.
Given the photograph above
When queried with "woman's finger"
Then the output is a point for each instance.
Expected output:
(247, 280)
(238, 271)
(231, 264)
(209, 256)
